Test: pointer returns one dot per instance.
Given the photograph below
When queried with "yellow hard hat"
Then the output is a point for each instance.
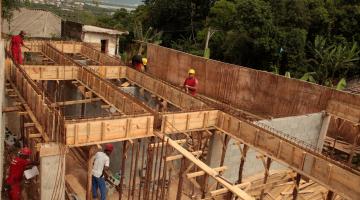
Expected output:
(191, 71)
(144, 61)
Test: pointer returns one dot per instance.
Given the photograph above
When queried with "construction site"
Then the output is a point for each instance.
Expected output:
(247, 134)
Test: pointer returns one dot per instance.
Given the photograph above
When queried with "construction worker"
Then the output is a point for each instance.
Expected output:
(190, 83)
(16, 42)
(100, 167)
(144, 61)
(16, 171)
(137, 63)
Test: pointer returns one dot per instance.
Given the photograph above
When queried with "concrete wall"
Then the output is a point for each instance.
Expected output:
(252, 164)
(97, 37)
(306, 128)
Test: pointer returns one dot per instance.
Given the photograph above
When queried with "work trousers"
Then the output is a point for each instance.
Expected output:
(98, 183)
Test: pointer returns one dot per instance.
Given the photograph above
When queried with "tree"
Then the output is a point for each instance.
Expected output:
(331, 62)
(8, 6)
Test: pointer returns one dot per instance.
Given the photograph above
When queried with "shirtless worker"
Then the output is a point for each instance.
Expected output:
(15, 45)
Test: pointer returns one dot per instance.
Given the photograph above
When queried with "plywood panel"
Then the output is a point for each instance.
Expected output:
(174, 123)
(100, 131)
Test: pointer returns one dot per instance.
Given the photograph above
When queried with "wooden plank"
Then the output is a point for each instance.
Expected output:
(179, 122)
(201, 173)
(214, 174)
(180, 156)
(107, 130)
(345, 111)
(10, 109)
(66, 103)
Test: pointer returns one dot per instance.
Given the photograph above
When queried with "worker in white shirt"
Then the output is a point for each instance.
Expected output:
(101, 164)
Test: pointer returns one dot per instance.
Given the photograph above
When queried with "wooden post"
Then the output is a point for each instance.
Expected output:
(296, 188)
(267, 167)
(123, 162)
(353, 147)
(225, 144)
(181, 179)
(242, 162)
(91, 158)
(330, 195)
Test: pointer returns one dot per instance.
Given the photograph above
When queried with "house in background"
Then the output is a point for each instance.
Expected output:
(106, 40)
(36, 23)
(44, 24)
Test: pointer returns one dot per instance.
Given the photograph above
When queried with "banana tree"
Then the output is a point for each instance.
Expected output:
(330, 62)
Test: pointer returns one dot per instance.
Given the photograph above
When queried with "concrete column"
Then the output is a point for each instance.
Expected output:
(52, 171)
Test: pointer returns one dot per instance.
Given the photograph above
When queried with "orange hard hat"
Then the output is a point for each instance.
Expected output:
(25, 151)
(109, 147)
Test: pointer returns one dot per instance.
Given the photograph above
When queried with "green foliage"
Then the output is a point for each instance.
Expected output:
(332, 61)
(8, 6)
(341, 84)
(314, 40)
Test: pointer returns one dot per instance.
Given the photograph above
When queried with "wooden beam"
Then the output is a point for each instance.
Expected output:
(214, 174)
(201, 173)
(35, 135)
(66, 103)
(27, 125)
(221, 191)
(180, 156)
(96, 131)
(10, 109)
(160, 144)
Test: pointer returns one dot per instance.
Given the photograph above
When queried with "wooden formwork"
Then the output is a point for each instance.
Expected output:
(41, 113)
(35, 45)
(55, 55)
(67, 46)
(51, 72)
(102, 58)
(96, 131)
(110, 72)
(166, 91)
(307, 162)
(59, 72)
(110, 92)
(188, 121)
(345, 111)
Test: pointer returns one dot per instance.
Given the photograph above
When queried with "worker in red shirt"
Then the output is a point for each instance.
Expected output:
(15, 45)
(190, 83)
(16, 171)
